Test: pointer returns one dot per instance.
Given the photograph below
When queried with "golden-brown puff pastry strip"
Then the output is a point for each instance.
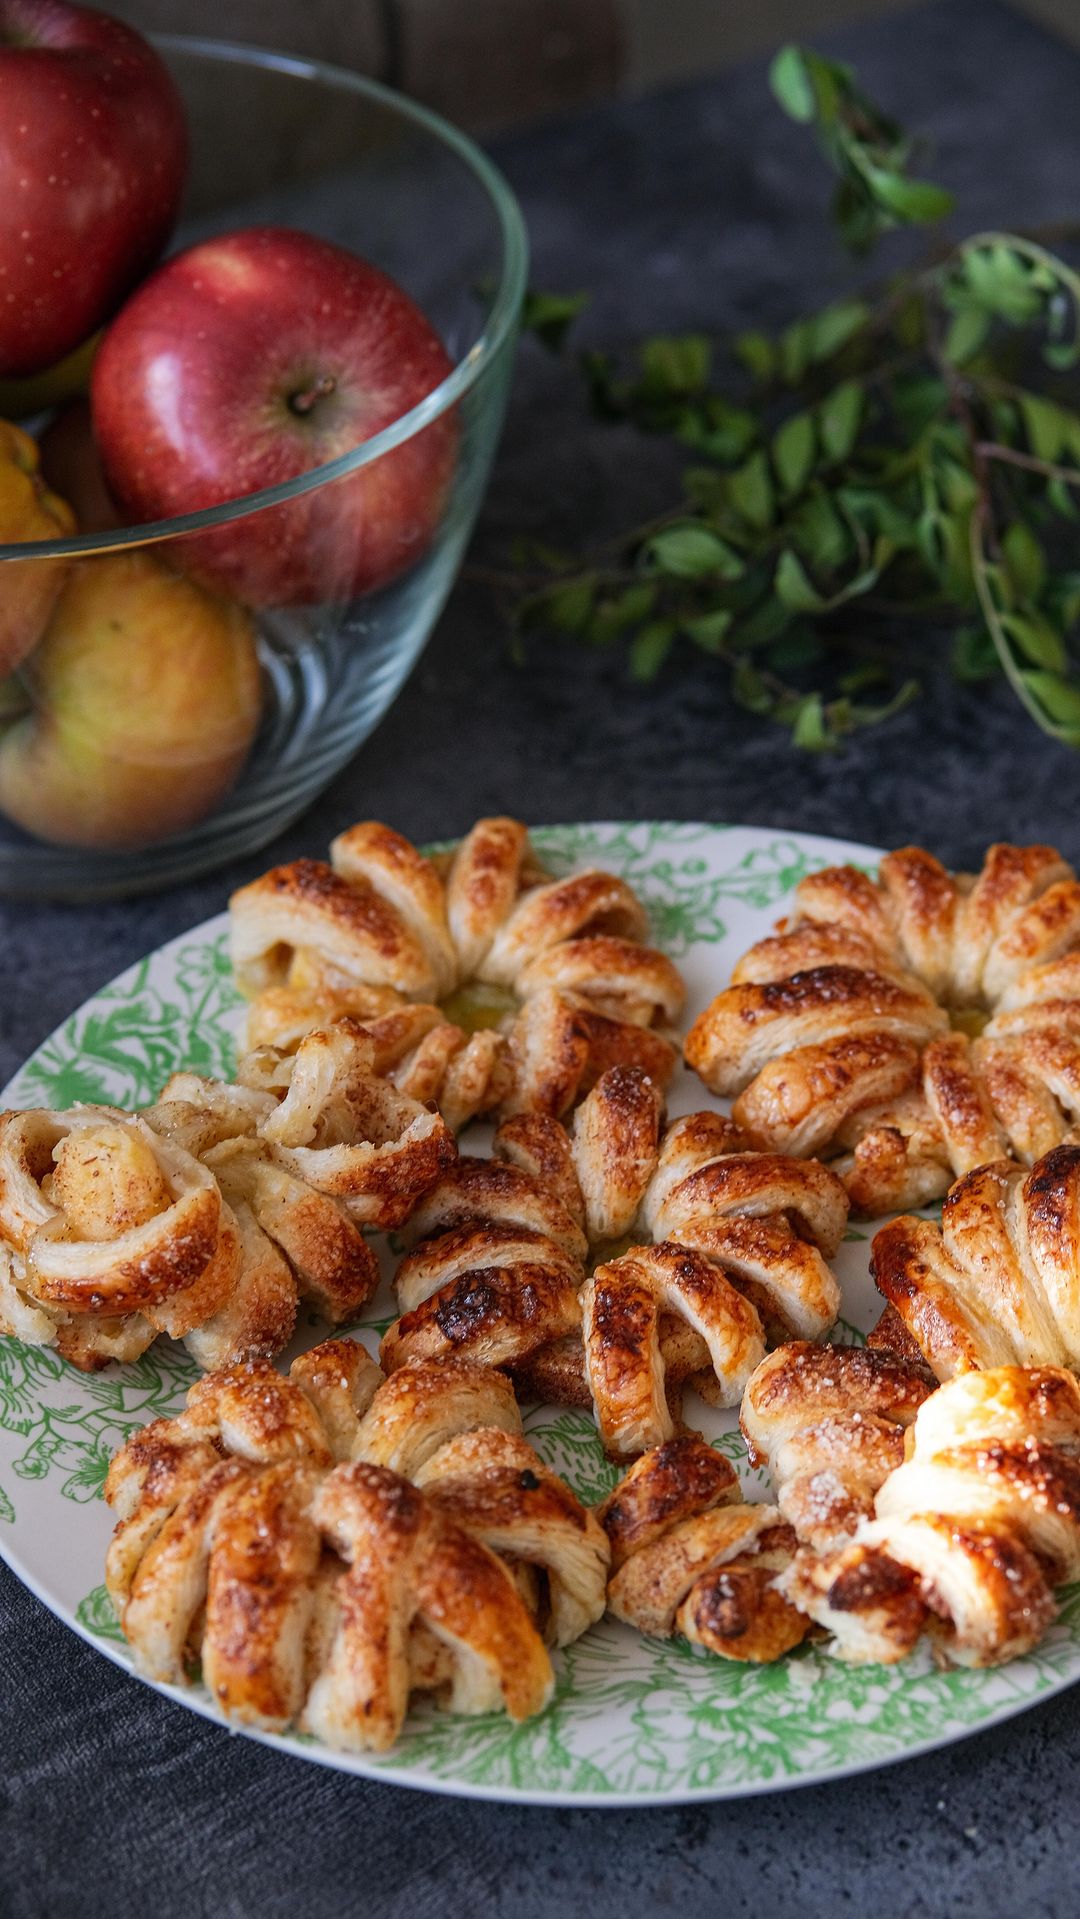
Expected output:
(996, 1283)
(265, 1532)
(830, 1423)
(971, 1532)
(313, 942)
(835, 1035)
(622, 1306)
(492, 1484)
(769, 1221)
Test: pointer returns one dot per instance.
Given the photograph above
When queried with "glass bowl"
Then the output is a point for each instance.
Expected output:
(271, 701)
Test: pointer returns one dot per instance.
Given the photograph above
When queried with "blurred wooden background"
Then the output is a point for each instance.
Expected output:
(492, 63)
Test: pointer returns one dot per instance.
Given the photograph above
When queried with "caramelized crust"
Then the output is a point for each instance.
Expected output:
(622, 1303)
(266, 1534)
(971, 1530)
(736, 1612)
(497, 1270)
(834, 1033)
(616, 1143)
(207, 1215)
(492, 1484)
(689, 1558)
(672, 1482)
(770, 1223)
(493, 1314)
(830, 1422)
(313, 942)
(994, 1284)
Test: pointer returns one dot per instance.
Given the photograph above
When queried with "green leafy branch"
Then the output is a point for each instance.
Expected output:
(904, 461)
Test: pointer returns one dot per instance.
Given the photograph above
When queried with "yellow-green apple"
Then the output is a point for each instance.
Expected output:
(70, 463)
(93, 157)
(22, 399)
(28, 511)
(145, 695)
(256, 357)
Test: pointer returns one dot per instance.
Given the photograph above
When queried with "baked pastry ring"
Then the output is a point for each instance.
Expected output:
(207, 1215)
(271, 1533)
(108, 1234)
(384, 934)
(496, 1266)
(835, 1034)
(971, 1532)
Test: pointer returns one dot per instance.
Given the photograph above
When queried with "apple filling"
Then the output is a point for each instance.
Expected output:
(969, 1020)
(106, 1181)
(478, 1007)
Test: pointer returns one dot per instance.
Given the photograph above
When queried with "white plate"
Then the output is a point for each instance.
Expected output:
(634, 1721)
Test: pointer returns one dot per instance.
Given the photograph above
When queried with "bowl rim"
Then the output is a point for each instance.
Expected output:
(499, 327)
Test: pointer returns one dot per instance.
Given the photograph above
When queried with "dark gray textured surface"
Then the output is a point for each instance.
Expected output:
(694, 209)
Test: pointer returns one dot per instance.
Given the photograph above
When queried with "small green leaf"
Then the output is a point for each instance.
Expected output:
(974, 655)
(916, 201)
(1059, 497)
(794, 588)
(796, 350)
(999, 280)
(1062, 356)
(1059, 698)
(709, 630)
(764, 623)
(567, 608)
(1043, 424)
(959, 487)
(967, 332)
(809, 730)
(1038, 642)
(749, 689)
(615, 615)
(838, 419)
(675, 366)
(722, 431)
(691, 552)
(819, 533)
(649, 649)
(757, 353)
(793, 449)
(1025, 560)
(551, 315)
(871, 673)
(835, 325)
(750, 492)
(791, 84)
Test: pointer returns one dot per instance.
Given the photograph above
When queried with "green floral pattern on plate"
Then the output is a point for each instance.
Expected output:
(121, 1047)
(632, 1719)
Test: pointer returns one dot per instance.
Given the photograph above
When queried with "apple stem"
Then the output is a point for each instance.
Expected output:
(304, 401)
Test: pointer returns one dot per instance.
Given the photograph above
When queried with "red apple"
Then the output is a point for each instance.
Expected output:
(254, 358)
(93, 155)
